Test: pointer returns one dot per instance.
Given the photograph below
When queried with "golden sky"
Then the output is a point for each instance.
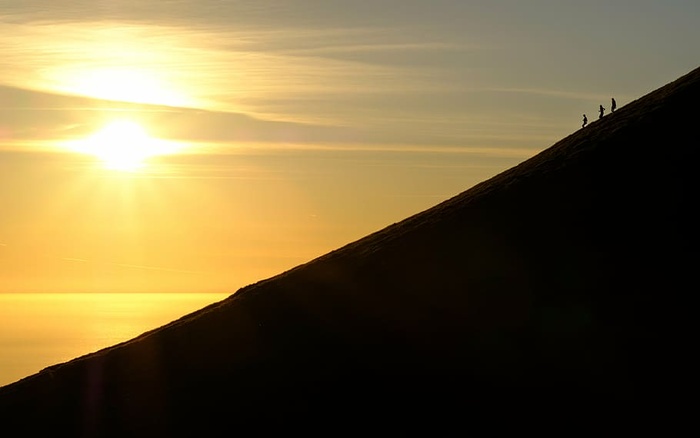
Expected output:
(200, 146)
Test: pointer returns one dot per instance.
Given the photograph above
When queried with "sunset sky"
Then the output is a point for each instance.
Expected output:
(202, 145)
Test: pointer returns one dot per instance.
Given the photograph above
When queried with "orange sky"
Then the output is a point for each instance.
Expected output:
(204, 222)
(202, 146)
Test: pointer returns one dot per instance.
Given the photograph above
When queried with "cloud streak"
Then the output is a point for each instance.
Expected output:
(214, 69)
(131, 266)
(54, 119)
(293, 71)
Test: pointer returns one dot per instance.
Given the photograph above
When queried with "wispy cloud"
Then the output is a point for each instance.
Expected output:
(131, 266)
(202, 62)
(156, 268)
(73, 259)
(258, 76)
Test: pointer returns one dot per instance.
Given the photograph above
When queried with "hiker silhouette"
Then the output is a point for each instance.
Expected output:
(613, 105)
(585, 121)
(602, 111)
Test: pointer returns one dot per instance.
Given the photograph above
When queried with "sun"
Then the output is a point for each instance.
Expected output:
(124, 145)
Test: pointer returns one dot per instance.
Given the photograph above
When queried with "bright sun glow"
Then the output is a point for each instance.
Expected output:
(124, 145)
(126, 84)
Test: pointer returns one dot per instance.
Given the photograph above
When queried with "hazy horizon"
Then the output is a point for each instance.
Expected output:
(34, 332)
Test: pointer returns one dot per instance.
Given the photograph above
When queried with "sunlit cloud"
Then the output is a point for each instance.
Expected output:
(97, 60)
(212, 68)
(229, 72)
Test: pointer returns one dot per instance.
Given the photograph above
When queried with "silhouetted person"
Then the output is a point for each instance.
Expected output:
(585, 121)
(602, 111)
(613, 105)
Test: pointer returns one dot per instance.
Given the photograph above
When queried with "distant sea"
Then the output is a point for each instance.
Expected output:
(40, 329)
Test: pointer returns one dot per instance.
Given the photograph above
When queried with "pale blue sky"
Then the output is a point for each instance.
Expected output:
(357, 113)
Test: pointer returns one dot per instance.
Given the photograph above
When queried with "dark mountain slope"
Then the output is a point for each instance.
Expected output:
(554, 297)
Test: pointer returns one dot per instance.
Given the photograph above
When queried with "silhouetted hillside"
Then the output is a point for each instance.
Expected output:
(554, 298)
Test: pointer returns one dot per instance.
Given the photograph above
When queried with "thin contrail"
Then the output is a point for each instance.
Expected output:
(127, 265)
(156, 268)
